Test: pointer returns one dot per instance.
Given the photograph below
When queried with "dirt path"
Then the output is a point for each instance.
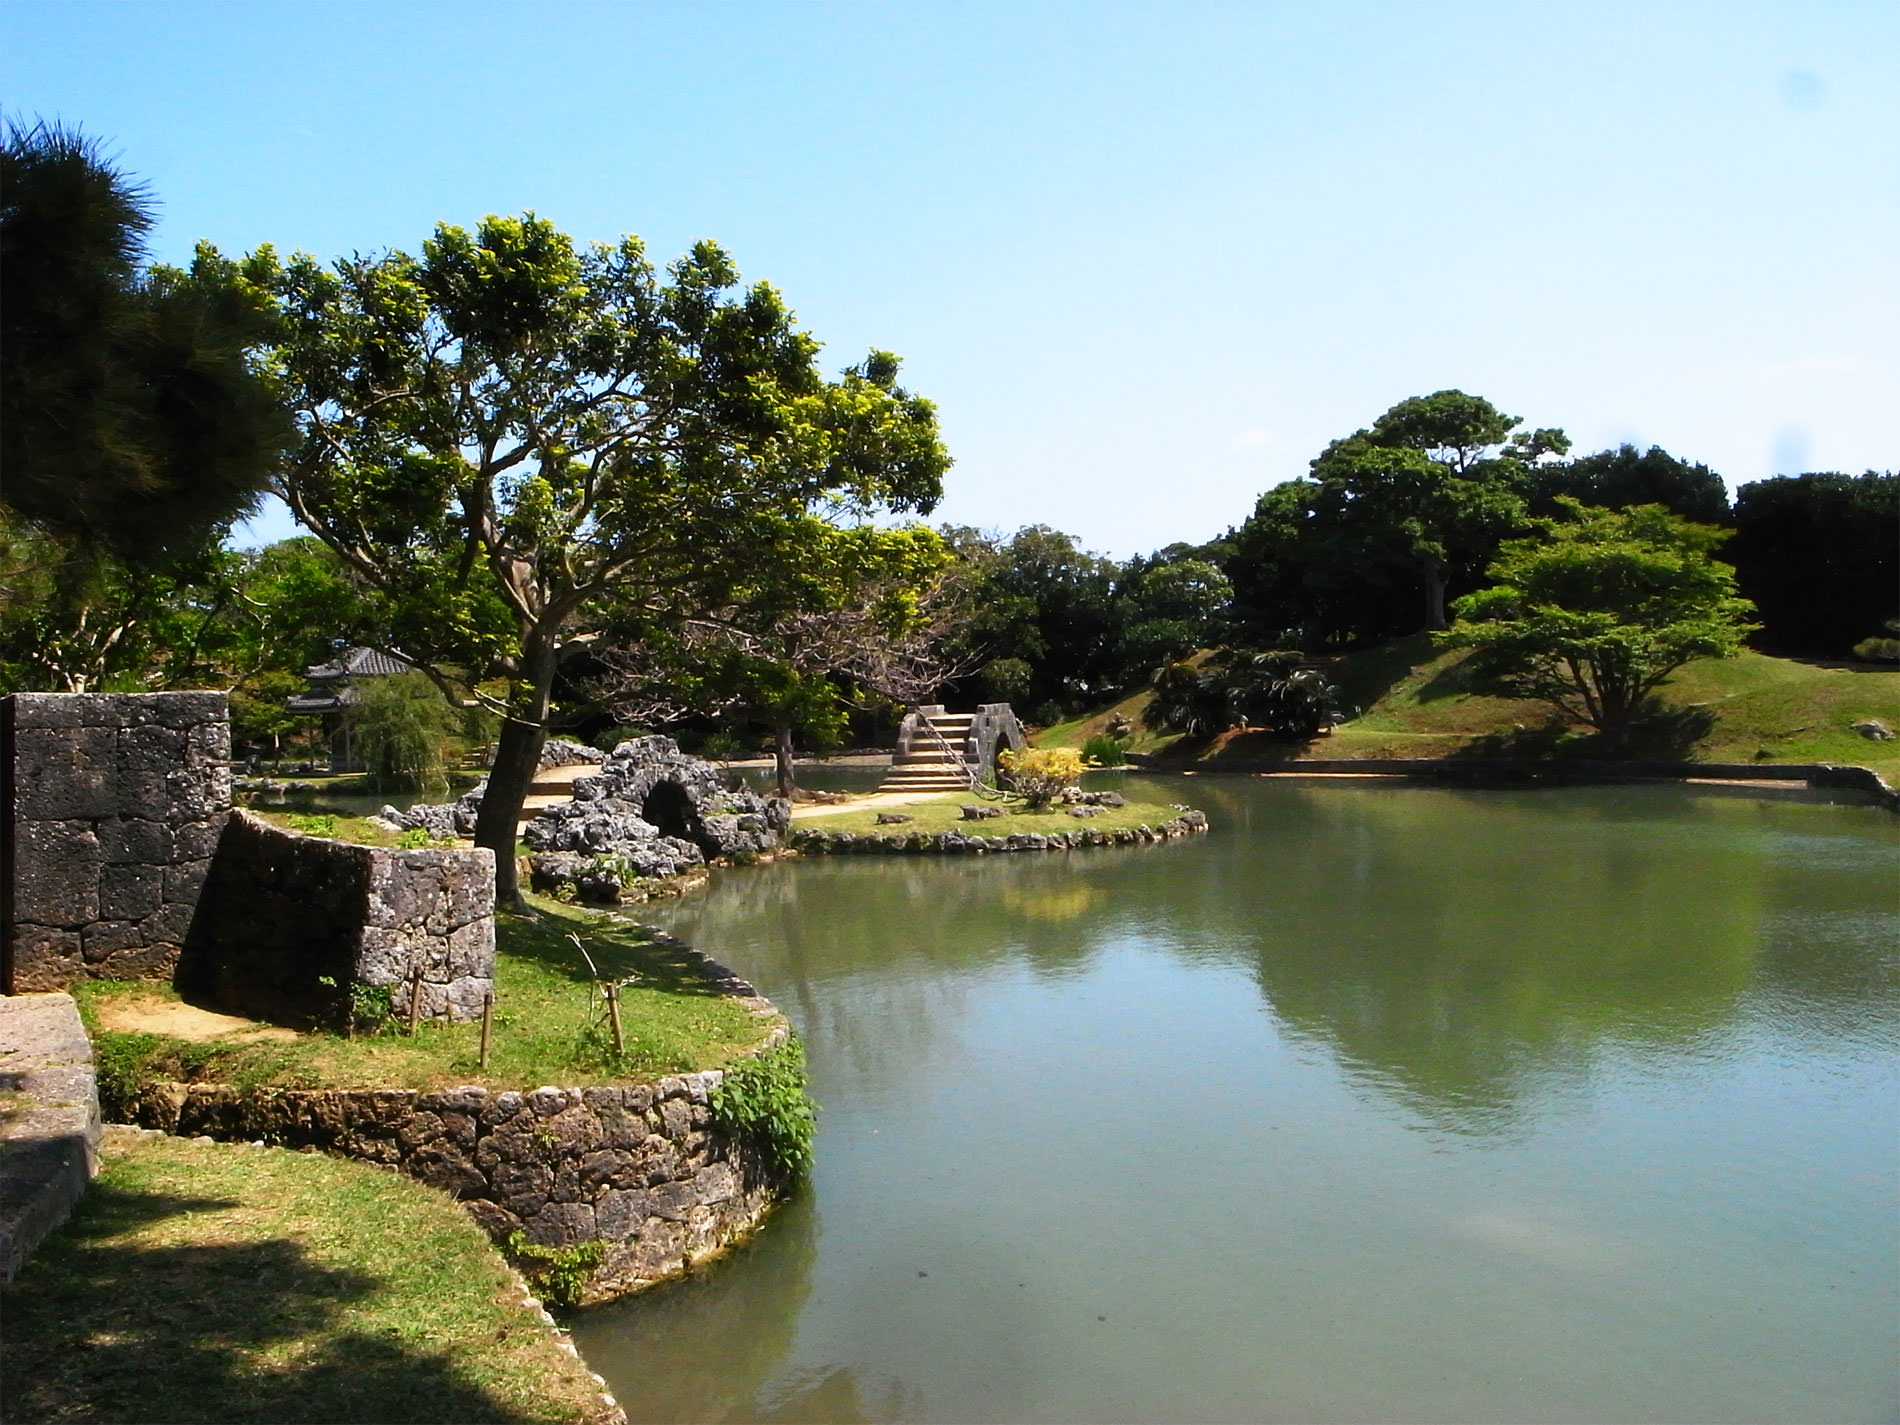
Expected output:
(871, 801)
(138, 1014)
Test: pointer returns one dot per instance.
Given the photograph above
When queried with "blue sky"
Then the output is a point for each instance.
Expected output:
(1147, 259)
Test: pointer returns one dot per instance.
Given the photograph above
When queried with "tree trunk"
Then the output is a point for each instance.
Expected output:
(1435, 596)
(783, 753)
(516, 755)
(508, 780)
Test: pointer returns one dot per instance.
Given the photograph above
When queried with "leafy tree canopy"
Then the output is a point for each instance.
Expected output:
(1819, 554)
(510, 431)
(1599, 607)
(1623, 478)
(1412, 505)
(132, 422)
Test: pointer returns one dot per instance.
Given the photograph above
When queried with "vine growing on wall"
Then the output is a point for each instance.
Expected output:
(764, 1102)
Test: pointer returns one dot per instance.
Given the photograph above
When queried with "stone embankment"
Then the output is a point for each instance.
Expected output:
(630, 1183)
(640, 1169)
(818, 842)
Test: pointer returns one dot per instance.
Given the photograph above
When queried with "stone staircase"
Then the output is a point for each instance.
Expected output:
(935, 763)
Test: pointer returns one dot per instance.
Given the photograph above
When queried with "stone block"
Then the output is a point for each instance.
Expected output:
(65, 710)
(190, 710)
(197, 840)
(56, 874)
(716, 1182)
(561, 1224)
(170, 924)
(132, 892)
(64, 774)
(446, 1168)
(494, 1219)
(133, 840)
(619, 1215)
(466, 997)
(382, 957)
(45, 958)
(105, 938)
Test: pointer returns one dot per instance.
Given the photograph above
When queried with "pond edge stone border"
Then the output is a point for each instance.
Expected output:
(815, 841)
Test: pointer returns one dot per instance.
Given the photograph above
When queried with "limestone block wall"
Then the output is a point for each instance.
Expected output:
(287, 924)
(640, 1168)
(112, 806)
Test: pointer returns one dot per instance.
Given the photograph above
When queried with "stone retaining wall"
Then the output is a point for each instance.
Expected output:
(49, 1120)
(816, 841)
(639, 1168)
(287, 924)
(112, 807)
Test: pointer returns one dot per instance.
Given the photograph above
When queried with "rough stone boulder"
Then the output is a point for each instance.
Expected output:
(651, 811)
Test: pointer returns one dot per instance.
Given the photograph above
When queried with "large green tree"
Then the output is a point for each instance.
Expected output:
(1432, 485)
(509, 432)
(1594, 611)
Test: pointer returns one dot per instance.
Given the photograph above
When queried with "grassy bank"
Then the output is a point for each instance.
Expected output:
(200, 1282)
(943, 814)
(1410, 700)
(544, 1030)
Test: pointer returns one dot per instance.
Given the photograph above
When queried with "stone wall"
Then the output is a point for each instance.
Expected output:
(113, 805)
(639, 1168)
(287, 924)
(49, 1129)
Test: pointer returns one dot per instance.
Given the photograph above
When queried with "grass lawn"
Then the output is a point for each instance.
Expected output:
(543, 1030)
(941, 814)
(204, 1282)
(1411, 702)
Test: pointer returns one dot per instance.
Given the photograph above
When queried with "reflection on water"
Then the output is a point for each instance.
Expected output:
(1373, 1103)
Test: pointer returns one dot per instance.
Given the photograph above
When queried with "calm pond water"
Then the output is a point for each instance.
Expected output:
(1377, 1103)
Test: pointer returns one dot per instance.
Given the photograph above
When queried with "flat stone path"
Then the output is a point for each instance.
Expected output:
(49, 1120)
(870, 801)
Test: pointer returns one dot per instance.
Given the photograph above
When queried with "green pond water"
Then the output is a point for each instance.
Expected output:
(1376, 1103)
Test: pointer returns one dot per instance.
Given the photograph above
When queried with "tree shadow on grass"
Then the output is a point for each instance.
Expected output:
(1658, 735)
(101, 1329)
(619, 951)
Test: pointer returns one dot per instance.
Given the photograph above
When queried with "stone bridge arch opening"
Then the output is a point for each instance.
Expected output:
(669, 807)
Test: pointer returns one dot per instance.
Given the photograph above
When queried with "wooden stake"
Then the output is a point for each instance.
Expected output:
(415, 1003)
(488, 1018)
(613, 1015)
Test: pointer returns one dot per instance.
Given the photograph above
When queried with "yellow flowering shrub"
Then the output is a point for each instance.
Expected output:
(1040, 775)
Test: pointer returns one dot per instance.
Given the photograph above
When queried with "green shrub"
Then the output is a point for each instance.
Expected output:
(557, 1274)
(763, 1102)
(313, 823)
(1103, 750)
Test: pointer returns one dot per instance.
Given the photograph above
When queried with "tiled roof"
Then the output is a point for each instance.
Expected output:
(361, 663)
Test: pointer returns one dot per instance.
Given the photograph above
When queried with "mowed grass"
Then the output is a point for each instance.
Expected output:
(943, 814)
(204, 1282)
(1410, 699)
(545, 1031)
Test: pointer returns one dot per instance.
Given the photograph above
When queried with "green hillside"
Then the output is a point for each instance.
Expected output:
(1407, 699)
